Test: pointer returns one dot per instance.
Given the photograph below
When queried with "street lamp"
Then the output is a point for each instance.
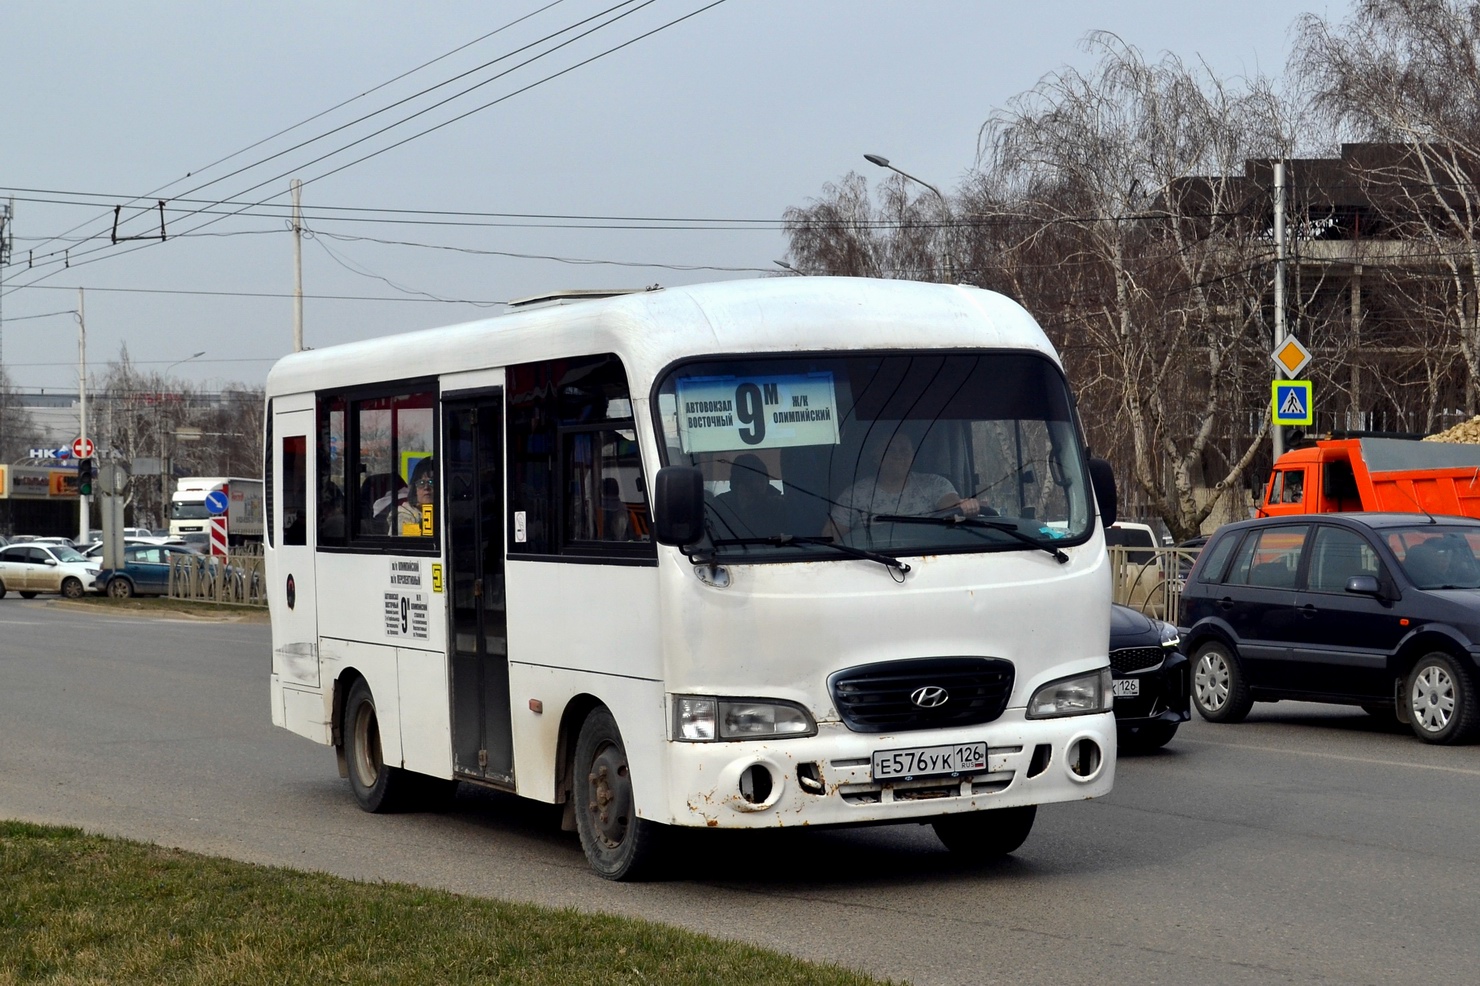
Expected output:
(883, 162)
(185, 360)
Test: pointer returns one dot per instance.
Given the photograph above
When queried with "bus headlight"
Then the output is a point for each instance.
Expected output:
(703, 718)
(1080, 695)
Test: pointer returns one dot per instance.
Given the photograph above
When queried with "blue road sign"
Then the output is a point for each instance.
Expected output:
(1292, 402)
(216, 503)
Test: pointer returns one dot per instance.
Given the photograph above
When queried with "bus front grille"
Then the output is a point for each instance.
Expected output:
(924, 693)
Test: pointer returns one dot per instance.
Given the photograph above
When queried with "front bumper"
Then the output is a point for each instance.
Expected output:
(827, 779)
(1165, 693)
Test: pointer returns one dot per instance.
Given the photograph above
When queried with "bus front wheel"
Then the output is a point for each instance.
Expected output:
(378, 787)
(618, 844)
(977, 836)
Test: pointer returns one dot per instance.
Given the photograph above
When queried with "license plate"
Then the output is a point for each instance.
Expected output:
(1126, 687)
(930, 761)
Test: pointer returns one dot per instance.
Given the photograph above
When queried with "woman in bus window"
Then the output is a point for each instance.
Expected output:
(420, 497)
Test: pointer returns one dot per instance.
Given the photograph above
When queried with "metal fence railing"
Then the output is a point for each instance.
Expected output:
(1151, 579)
(236, 579)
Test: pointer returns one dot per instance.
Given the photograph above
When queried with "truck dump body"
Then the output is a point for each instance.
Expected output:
(1366, 474)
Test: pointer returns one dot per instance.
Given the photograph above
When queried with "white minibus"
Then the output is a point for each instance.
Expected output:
(778, 552)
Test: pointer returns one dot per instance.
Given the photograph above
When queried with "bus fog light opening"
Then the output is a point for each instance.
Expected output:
(1084, 759)
(749, 784)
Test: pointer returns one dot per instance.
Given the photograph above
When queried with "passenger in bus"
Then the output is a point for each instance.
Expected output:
(752, 507)
(896, 488)
(422, 493)
(614, 525)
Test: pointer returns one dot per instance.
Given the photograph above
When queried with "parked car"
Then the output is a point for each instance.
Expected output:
(1150, 680)
(1380, 610)
(145, 571)
(36, 567)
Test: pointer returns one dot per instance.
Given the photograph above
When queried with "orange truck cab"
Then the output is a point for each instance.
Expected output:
(1390, 474)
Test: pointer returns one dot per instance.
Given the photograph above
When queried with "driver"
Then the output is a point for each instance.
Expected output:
(896, 489)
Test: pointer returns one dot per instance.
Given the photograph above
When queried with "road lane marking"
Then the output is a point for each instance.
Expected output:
(1470, 772)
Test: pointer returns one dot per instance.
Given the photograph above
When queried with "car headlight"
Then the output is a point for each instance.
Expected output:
(1169, 636)
(1081, 695)
(704, 718)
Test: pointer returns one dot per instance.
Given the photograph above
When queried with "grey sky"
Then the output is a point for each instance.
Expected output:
(734, 114)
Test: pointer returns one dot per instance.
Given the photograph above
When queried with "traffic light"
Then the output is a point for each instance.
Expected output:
(85, 474)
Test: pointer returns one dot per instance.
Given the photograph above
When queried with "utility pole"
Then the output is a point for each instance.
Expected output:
(83, 517)
(297, 187)
(1275, 431)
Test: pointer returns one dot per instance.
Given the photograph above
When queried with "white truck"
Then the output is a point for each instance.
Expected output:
(190, 515)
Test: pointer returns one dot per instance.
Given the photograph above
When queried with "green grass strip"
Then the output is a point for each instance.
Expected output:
(85, 909)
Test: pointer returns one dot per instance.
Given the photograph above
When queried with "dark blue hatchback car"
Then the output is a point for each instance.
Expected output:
(1376, 610)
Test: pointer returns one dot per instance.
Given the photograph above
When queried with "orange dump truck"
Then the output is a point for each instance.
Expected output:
(1397, 474)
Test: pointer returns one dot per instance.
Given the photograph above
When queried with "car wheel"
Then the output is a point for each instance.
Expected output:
(378, 787)
(2, 590)
(27, 595)
(1147, 737)
(120, 588)
(72, 588)
(982, 835)
(1218, 687)
(618, 844)
(1441, 700)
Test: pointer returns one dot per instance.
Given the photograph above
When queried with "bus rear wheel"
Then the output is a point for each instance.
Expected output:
(618, 844)
(978, 836)
(377, 786)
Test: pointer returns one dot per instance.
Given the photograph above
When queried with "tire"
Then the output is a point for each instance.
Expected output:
(72, 588)
(120, 588)
(978, 836)
(1146, 737)
(618, 844)
(2, 590)
(378, 788)
(1219, 689)
(25, 594)
(1441, 700)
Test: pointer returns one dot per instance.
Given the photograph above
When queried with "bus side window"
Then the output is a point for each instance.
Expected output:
(575, 474)
(295, 489)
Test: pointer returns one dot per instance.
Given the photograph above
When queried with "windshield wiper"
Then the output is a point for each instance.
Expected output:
(793, 540)
(961, 520)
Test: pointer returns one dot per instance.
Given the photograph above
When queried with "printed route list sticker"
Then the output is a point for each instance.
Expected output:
(721, 414)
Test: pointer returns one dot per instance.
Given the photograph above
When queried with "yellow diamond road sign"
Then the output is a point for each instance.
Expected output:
(1291, 357)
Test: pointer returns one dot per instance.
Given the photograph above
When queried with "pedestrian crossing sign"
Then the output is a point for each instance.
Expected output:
(1292, 402)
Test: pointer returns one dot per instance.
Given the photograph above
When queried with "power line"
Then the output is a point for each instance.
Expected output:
(331, 109)
(587, 61)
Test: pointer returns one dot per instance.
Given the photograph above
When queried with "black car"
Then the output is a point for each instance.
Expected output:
(1368, 609)
(1150, 680)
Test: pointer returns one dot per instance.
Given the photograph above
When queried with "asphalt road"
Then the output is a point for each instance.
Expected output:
(1310, 844)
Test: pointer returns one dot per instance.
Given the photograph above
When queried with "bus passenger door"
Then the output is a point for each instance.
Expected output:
(473, 480)
(292, 598)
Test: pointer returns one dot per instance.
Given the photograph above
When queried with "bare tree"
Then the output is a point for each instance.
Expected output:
(18, 432)
(1407, 73)
(1144, 249)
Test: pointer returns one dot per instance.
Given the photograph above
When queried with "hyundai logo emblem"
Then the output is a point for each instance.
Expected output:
(929, 696)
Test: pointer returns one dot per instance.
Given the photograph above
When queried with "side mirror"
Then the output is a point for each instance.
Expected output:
(1363, 585)
(678, 506)
(52, 562)
(1102, 479)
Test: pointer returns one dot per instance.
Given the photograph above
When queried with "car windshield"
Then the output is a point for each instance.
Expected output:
(64, 553)
(1436, 556)
(900, 453)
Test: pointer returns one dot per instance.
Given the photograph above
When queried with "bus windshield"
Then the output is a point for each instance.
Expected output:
(896, 453)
